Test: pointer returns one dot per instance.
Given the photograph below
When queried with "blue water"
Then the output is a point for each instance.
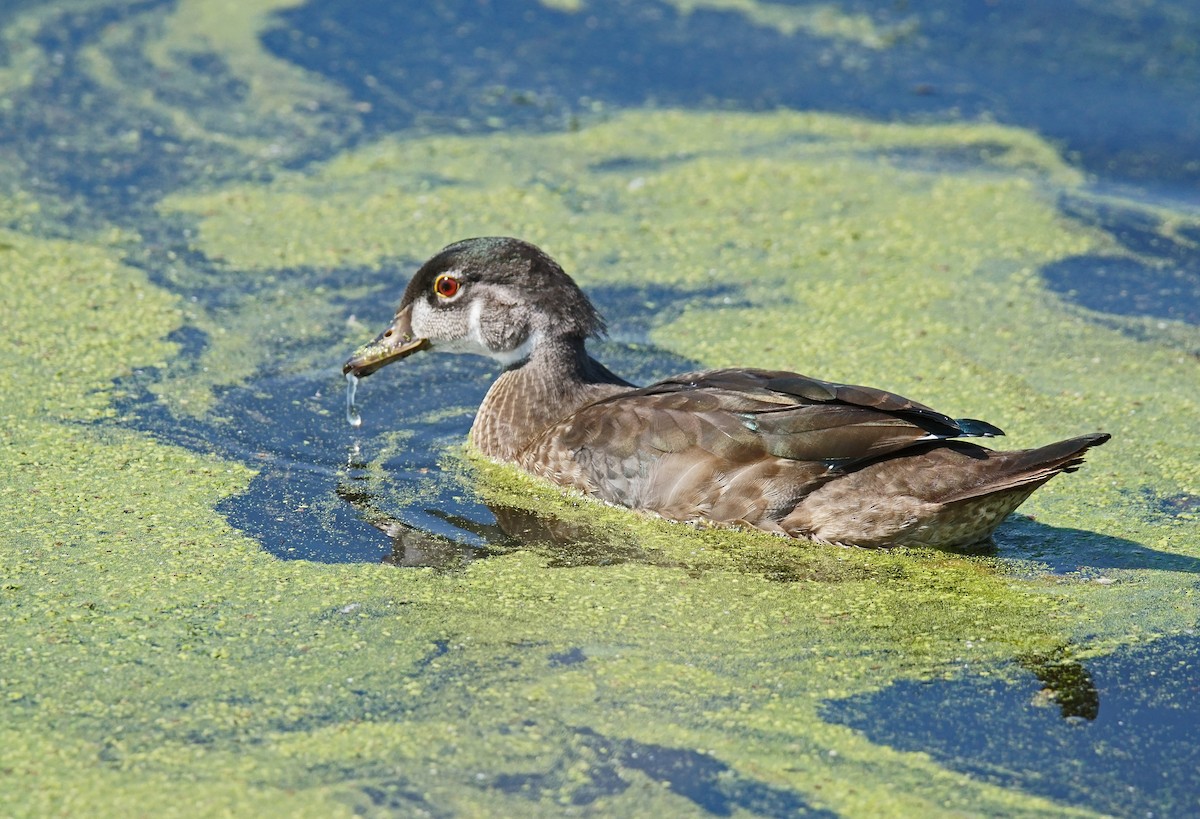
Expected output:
(1116, 85)
(1075, 74)
(1117, 735)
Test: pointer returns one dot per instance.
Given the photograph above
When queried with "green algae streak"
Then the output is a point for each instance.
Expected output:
(819, 19)
(156, 661)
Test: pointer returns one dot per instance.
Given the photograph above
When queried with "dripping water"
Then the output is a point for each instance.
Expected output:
(352, 416)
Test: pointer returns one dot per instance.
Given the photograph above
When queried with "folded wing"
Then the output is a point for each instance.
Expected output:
(739, 446)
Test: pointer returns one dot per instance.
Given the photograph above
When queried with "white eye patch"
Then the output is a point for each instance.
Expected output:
(464, 329)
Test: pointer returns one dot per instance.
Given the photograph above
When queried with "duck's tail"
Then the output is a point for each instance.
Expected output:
(1030, 468)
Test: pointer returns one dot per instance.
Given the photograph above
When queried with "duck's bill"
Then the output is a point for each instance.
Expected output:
(393, 344)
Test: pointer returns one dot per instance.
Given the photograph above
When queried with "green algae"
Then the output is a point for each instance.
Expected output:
(818, 19)
(24, 57)
(579, 193)
(272, 97)
(71, 306)
(822, 221)
(244, 335)
(156, 660)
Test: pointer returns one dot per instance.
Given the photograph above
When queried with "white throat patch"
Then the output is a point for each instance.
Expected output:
(519, 353)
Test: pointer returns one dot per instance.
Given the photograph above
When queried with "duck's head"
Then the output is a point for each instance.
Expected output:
(494, 296)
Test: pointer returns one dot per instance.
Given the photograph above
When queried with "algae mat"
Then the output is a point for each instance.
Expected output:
(159, 660)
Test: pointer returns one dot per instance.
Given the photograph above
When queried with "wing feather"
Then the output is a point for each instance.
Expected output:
(735, 445)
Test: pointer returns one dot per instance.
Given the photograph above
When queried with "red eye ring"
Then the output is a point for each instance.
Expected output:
(446, 286)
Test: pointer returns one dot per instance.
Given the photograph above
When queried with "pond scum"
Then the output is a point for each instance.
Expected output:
(156, 661)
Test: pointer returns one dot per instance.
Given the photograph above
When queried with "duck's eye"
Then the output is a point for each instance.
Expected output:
(446, 286)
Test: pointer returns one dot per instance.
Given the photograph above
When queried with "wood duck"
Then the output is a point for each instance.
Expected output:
(773, 450)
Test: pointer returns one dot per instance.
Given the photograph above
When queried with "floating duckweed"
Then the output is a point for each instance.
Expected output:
(158, 661)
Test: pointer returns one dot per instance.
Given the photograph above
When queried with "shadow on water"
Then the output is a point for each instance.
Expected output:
(593, 766)
(698, 777)
(1158, 276)
(1118, 736)
(1066, 551)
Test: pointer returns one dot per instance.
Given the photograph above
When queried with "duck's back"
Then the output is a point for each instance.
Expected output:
(790, 454)
(684, 455)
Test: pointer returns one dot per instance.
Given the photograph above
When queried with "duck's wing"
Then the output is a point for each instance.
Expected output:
(732, 444)
(792, 416)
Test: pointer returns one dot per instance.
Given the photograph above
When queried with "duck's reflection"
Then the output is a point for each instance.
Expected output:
(415, 547)
(563, 543)
(1066, 683)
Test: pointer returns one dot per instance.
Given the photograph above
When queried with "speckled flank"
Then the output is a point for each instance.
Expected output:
(158, 662)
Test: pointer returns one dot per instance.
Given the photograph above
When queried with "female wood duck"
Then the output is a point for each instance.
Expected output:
(772, 450)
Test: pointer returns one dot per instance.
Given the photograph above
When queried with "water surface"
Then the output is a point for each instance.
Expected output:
(219, 597)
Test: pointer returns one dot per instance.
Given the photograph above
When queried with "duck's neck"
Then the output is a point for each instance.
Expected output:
(556, 380)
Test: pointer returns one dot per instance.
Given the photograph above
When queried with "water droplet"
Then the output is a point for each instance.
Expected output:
(352, 416)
